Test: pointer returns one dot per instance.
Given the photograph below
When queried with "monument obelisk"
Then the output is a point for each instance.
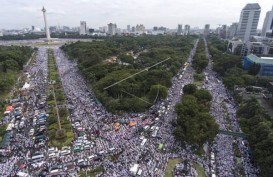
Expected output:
(46, 27)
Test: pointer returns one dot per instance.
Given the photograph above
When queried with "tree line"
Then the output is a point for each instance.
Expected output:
(200, 61)
(194, 124)
(12, 60)
(255, 122)
(139, 92)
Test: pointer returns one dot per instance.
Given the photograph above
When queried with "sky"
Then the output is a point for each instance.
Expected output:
(16, 14)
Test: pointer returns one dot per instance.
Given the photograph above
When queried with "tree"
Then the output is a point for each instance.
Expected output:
(126, 59)
(254, 69)
(158, 92)
(203, 95)
(189, 89)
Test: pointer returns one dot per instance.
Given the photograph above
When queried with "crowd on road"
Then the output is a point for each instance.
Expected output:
(119, 145)
(223, 110)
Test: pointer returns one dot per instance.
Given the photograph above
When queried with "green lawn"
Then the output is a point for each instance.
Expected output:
(198, 83)
(170, 166)
(91, 173)
(200, 170)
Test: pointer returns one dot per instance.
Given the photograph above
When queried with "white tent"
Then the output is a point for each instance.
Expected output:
(134, 169)
(26, 86)
(22, 174)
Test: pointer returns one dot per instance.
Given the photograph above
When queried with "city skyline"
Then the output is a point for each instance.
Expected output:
(98, 13)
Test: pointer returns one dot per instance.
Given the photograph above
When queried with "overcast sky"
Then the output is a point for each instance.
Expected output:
(168, 13)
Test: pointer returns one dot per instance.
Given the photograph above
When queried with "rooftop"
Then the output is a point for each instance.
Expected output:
(260, 60)
(252, 6)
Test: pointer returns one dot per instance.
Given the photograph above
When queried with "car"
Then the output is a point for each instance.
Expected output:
(78, 149)
(52, 149)
(87, 146)
(53, 155)
(92, 156)
(55, 170)
(64, 152)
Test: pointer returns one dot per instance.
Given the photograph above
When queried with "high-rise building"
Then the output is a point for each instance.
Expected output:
(155, 28)
(133, 29)
(233, 30)
(206, 31)
(187, 30)
(112, 29)
(248, 23)
(83, 29)
(268, 23)
(140, 28)
(179, 30)
(128, 28)
(223, 32)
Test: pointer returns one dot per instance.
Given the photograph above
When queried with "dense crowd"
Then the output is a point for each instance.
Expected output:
(121, 145)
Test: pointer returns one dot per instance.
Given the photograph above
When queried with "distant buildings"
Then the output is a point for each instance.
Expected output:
(133, 29)
(112, 29)
(206, 30)
(223, 32)
(128, 28)
(268, 24)
(83, 29)
(248, 23)
(140, 28)
(179, 29)
(233, 30)
(266, 64)
(187, 30)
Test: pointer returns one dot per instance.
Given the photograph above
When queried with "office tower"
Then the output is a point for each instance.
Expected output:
(46, 27)
(32, 28)
(268, 23)
(128, 28)
(223, 32)
(140, 28)
(179, 30)
(187, 30)
(112, 29)
(155, 28)
(233, 30)
(248, 23)
(133, 29)
(83, 28)
(206, 31)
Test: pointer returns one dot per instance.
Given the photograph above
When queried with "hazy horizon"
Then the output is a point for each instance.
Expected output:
(18, 14)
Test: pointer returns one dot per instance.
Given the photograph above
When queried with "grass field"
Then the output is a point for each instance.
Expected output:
(200, 170)
(170, 166)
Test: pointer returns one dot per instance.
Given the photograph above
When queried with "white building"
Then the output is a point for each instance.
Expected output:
(248, 23)
(268, 23)
(112, 29)
(83, 29)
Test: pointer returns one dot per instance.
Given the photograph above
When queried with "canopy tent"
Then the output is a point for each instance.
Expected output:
(6, 112)
(26, 86)
(134, 169)
(122, 121)
(132, 123)
(9, 108)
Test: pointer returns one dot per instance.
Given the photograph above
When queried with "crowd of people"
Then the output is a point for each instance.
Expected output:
(121, 145)
(223, 110)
